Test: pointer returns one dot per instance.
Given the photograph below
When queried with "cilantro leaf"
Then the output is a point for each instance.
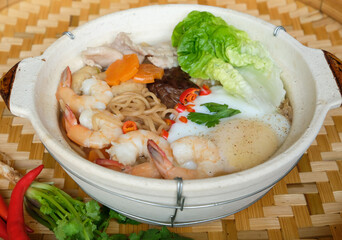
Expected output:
(93, 210)
(215, 107)
(121, 218)
(210, 120)
(156, 234)
(200, 118)
(71, 219)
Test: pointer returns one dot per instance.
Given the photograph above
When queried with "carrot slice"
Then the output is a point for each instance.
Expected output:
(147, 73)
(92, 156)
(122, 70)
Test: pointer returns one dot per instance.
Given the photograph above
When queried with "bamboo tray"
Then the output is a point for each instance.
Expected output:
(306, 204)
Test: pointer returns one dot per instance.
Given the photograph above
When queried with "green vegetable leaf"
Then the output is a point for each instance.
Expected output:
(121, 218)
(68, 229)
(215, 107)
(156, 234)
(210, 120)
(69, 218)
(209, 48)
(93, 210)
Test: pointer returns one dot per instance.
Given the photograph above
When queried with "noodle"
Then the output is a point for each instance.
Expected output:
(143, 107)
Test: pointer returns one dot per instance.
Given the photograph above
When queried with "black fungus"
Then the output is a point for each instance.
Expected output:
(170, 87)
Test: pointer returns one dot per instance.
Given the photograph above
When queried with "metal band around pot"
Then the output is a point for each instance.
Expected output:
(179, 224)
(173, 206)
(180, 199)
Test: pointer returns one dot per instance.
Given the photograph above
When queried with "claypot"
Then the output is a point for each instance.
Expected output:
(309, 77)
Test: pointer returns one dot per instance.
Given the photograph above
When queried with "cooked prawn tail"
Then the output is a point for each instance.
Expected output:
(69, 118)
(66, 77)
(165, 166)
(159, 158)
(65, 82)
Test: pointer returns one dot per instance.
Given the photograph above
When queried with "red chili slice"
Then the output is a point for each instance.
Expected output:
(165, 134)
(189, 108)
(169, 122)
(129, 126)
(183, 119)
(189, 95)
(205, 90)
(180, 108)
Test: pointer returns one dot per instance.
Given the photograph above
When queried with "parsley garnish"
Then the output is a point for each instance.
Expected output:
(218, 111)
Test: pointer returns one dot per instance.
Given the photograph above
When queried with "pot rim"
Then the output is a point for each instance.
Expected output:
(250, 175)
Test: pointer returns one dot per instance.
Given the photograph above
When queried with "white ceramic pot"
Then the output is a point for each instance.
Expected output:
(308, 79)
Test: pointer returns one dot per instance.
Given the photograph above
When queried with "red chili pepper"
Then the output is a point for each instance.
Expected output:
(3, 230)
(4, 213)
(129, 126)
(180, 108)
(205, 90)
(183, 119)
(16, 223)
(189, 95)
(165, 134)
(3, 209)
(169, 122)
(189, 108)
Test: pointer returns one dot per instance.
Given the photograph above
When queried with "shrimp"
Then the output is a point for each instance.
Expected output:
(97, 93)
(128, 147)
(195, 152)
(145, 169)
(166, 168)
(82, 74)
(102, 128)
(197, 157)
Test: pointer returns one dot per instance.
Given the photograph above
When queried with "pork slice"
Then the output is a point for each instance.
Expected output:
(100, 56)
(125, 45)
(161, 55)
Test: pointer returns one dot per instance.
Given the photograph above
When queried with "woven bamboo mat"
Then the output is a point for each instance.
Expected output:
(306, 204)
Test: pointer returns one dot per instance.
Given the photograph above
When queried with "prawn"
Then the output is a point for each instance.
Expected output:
(196, 157)
(145, 169)
(82, 74)
(166, 168)
(128, 147)
(97, 93)
(102, 128)
(200, 153)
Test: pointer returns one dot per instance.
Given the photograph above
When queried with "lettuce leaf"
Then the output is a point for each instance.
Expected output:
(209, 48)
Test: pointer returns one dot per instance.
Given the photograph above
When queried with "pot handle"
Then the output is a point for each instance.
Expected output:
(6, 84)
(17, 85)
(335, 65)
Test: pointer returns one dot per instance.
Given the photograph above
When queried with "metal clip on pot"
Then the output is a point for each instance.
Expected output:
(277, 29)
(180, 199)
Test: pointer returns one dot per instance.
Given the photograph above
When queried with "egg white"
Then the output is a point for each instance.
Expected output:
(279, 124)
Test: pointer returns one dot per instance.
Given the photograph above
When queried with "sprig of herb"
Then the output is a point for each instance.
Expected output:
(218, 111)
(73, 219)
(67, 217)
(156, 234)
